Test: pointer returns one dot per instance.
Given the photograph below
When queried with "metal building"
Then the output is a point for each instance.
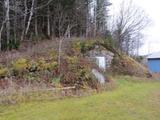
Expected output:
(154, 62)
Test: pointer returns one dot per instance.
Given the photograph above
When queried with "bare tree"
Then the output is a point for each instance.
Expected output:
(128, 24)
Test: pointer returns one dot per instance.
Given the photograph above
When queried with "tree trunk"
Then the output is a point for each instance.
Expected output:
(7, 6)
(24, 20)
(30, 17)
(1, 30)
(36, 27)
(95, 21)
(87, 20)
(36, 21)
(48, 21)
(15, 27)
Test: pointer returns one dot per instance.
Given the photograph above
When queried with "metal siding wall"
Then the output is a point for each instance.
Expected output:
(154, 65)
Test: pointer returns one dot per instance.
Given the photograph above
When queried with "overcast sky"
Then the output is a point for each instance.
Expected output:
(152, 33)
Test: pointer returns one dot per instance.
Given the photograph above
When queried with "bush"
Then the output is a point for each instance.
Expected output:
(44, 65)
(77, 72)
(83, 46)
(52, 54)
(52, 65)
(20, 66)
(33, 66)
(3, 72)
(72, 59)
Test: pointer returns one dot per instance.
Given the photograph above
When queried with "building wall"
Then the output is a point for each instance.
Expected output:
(154, 65)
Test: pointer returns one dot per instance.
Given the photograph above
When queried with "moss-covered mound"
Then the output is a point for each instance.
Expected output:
(74, 68)
(128, 66)
(121, 64)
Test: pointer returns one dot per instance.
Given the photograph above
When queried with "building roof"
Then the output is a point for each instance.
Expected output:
(154, 55)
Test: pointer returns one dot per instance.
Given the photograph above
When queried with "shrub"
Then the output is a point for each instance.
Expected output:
(31, 77)
(77, 46)
(3, 72)
(78, 73)
(72, 59)
(56, 81)
(41, 64)
(20, 66)
(52, 65)
(83, 46)
(44, 65)
(32, 66)
(53, 54)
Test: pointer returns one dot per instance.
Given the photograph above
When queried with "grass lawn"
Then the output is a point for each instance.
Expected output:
(131, 100)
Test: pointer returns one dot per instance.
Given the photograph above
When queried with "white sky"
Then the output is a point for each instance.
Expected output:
(152, 33)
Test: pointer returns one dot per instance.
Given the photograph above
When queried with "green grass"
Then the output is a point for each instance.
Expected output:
(131, 100)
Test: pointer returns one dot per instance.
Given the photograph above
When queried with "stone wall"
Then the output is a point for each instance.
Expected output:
(101, 52)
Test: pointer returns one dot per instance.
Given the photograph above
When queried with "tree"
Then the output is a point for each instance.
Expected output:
(101, 15)
(42, 19)
(128, 24)
(100, 10)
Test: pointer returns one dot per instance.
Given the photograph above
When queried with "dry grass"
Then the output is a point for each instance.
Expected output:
(128, 66)
(29, 51)
(132, 100)
(14, 93)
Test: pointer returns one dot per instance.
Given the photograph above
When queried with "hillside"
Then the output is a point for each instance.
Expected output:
(126, 65)
(38, 67)
(74, 48)
(75, 60)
